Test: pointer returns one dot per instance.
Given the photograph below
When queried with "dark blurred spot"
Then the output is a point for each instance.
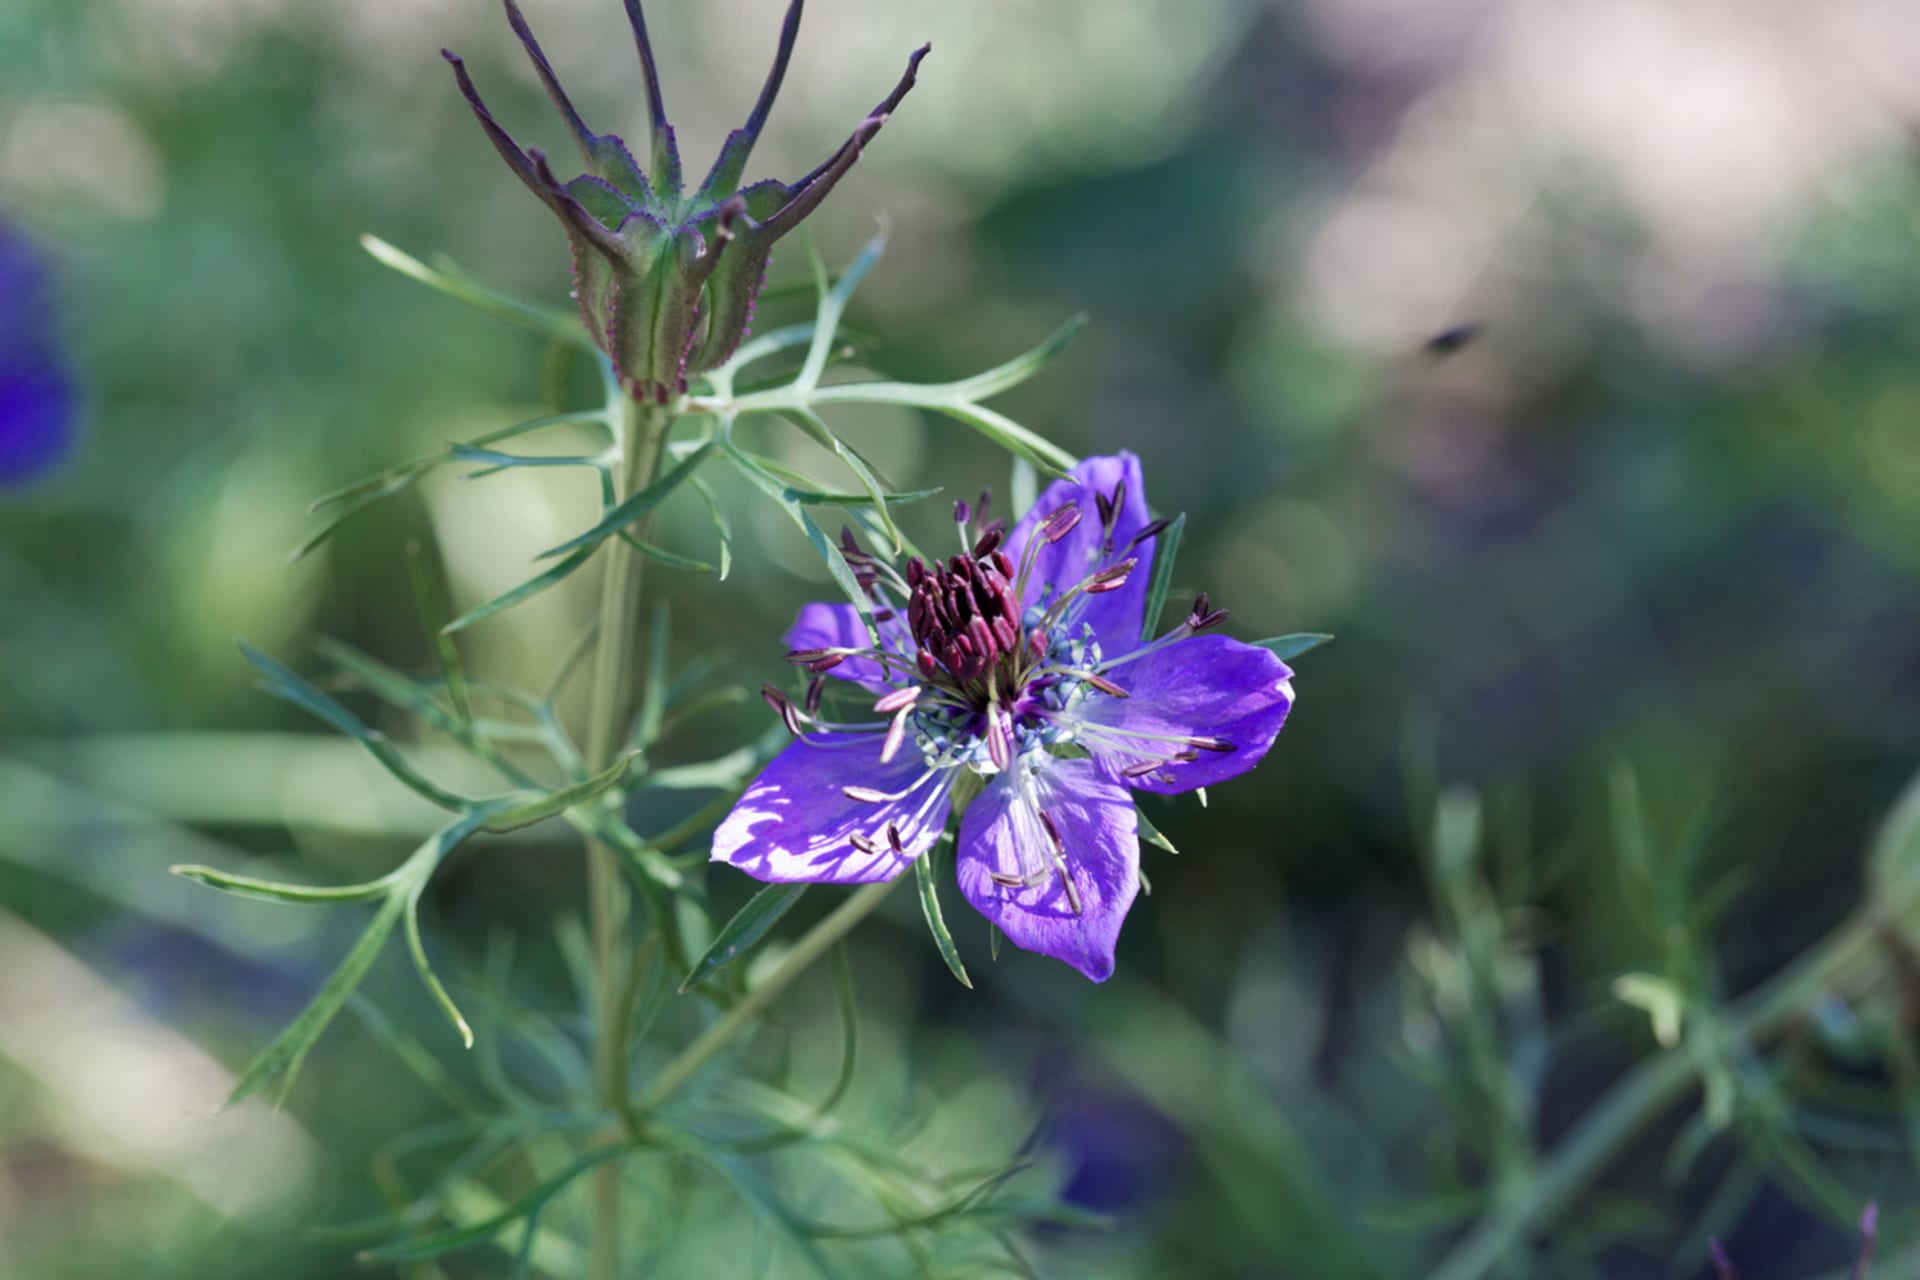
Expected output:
(1450, 341)
(1119, 1152)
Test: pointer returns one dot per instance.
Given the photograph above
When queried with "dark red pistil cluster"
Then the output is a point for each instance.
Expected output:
(964, 614)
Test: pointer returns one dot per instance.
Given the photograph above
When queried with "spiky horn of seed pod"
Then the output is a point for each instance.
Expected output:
(667, 279)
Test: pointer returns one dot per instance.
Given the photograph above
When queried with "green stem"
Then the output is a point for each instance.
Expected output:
(1636, 1102)
(814, 944)
(643, 435)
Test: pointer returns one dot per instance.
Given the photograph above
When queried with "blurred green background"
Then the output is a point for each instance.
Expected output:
(1558, 358)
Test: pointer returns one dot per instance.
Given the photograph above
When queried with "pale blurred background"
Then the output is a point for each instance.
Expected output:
(1558, 357)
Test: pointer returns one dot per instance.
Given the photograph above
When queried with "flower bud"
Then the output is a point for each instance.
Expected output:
(666, 279)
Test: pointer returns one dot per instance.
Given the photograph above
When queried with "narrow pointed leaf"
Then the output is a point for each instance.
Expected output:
(1150, 833)
(284, 684)
(664, 558)
(1024, 486)
(849, 1011)
(1165, 548)
(923, 871)
(533, 586)
(636, 507)
(833, 304)
(442, 1242)
(821, 434)
(829, 554)
(279, 891)
(806, 490)
(1285, 647)
(417, 948)
(429, 593)
(458, 284)
(284, 1054)
(722, 528)
(511, 813)
(749, 925)
(985, 386)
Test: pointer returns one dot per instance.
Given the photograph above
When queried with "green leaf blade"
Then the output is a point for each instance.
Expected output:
(1287, 648)
(748, 927)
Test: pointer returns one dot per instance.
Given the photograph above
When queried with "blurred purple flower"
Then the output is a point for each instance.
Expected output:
(1023, 667)
(36, 398)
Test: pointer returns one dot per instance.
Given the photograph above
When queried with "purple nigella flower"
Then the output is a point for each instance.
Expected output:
(36, 399)
(666, 278)
(1018, 669)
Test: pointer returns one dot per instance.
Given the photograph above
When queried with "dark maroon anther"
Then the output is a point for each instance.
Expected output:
(1142, 769)
(783, 707)
(916, 570)
(1212, 744)
(1213, 619)
(865, 795)
(805, 657)
(1003, 564)
(815, 688)
(863, 843)
(983, 506)
(1053, 831)
(962, 513)
(929, 667)
(1104, 506)
(883, 615)
(893, 838)
(1061, 522)
(989, 542)
(1115, 503)
(1110, 579)
(1202, 605)
(1105, 685)
(1153, 530)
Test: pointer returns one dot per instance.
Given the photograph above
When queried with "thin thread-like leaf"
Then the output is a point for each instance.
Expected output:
(1165, 548)
(923, 870)
(510, 813)
(664, 558)
(1023, 485)
(278, 891)
(443, 1242)
(833, 304)
(749, 925)
(417, 948)
(526, 590)
(285, 1052)
(722, 527)
(849, 1011)
(1287, 647)
(985, 386)
(284, 684)
(806, 490)
(655, 688)
(817, 430)
(429, 594)
(636, 507)
(829, 554)
(456, 283)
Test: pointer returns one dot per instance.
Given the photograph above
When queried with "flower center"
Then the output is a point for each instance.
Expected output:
(966, 619)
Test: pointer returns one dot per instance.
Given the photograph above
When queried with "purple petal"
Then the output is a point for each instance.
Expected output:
(1004, 835)
(796, 824)
(1207, 687)
(1115, 615)
(838, 626)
